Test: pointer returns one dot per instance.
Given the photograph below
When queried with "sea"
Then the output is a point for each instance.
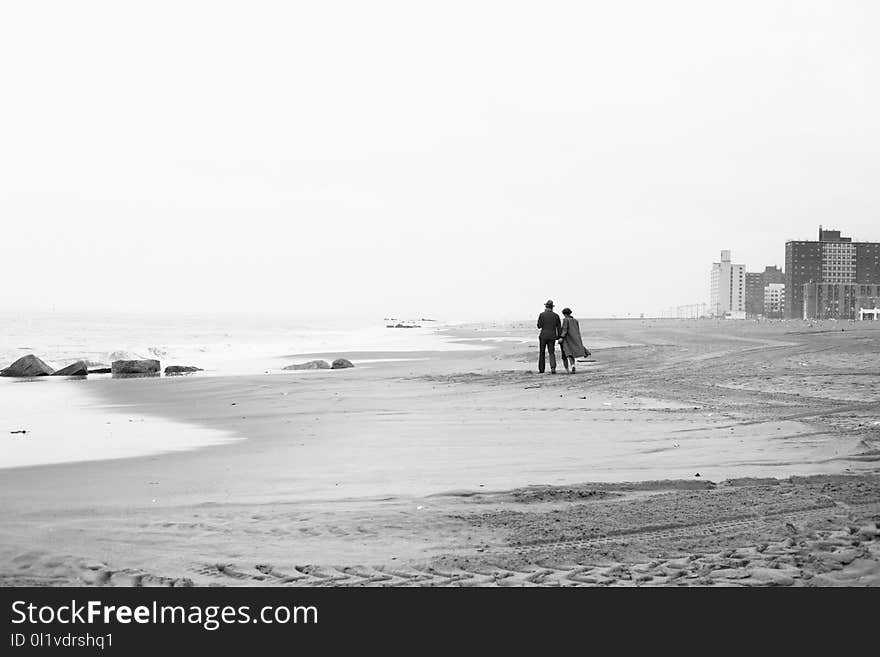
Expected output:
(52, 420)
(55, 420)
(217, 344)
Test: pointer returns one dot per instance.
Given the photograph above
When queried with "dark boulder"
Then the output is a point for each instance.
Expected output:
(341, 364)
(136, 367)
(28, 365)
(101, 370)
(181, 369)
(311, 365)
(79, 368)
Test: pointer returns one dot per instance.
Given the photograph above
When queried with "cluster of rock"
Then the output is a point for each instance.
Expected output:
(30, 366)
(338, 364)
(400, 325)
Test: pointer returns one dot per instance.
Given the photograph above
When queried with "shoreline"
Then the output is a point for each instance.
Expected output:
(488, 366)
(84, 412)
(394, 463)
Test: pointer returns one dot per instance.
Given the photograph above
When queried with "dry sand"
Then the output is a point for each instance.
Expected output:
(468, 468)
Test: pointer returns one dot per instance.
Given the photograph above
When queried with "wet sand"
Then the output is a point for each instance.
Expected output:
(469, 468)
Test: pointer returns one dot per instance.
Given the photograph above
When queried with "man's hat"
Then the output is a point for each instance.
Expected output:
(549, 303)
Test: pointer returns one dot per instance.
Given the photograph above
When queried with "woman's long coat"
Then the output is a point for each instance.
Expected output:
(572, 344)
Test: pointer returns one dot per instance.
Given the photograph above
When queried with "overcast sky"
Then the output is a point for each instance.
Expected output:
(453, 159)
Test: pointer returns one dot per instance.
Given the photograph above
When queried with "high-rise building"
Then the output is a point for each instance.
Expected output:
(754, 293)
(829, 272)
(727, 288)
(774, 300)
(839, 300)
(756, 286)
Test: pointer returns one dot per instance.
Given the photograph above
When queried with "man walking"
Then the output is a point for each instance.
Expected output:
(550, 325)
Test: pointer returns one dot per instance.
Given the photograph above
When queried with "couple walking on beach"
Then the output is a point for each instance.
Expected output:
(566, 331)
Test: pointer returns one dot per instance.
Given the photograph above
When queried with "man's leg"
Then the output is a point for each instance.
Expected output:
(551, 347)
(541, 355)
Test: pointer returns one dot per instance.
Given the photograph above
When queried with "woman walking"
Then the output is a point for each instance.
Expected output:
(570, 342)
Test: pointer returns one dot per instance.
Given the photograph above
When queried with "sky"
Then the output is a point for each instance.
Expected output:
(458, 160)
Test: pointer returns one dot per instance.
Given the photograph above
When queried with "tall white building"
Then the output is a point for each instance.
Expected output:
(727, 288)
(774, 299)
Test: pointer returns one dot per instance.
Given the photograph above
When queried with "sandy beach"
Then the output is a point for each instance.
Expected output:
(685, 452)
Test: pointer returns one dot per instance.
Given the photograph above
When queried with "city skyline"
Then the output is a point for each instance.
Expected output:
(833, 276)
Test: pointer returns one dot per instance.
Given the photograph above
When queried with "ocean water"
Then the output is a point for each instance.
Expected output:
(217, 344)
(61, 419)
(63, 425)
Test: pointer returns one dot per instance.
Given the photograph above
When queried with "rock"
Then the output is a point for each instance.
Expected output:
(79, 368)
(311, 365)
(128, 367)
(181, 369)
(28, 365)
(101, 370)
(341, 364)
